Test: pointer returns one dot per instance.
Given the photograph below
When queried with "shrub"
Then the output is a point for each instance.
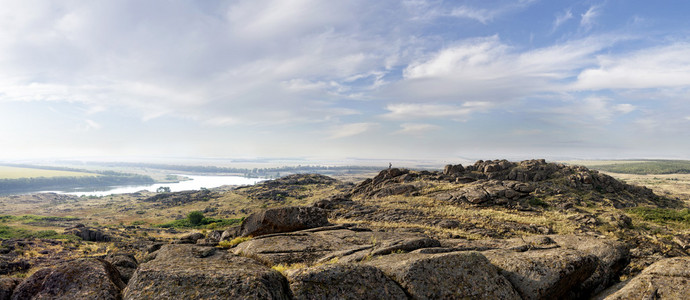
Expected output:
(195, 218)
(239, 240)
(661, 215)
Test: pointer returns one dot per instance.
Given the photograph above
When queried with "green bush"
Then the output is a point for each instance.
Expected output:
(537, 202)
(195, 218)
(662, 215)
(648, 167)
(208, 223)
(8, 232)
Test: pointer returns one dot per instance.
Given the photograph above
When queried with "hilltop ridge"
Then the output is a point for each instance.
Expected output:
(583, 231)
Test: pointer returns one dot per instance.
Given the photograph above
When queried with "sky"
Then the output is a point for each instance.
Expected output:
(403, 79)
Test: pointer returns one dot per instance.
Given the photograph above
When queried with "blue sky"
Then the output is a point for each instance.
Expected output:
(339, 79)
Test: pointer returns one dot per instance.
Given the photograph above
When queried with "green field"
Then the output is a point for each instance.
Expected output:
(639, 167)
(7, 172)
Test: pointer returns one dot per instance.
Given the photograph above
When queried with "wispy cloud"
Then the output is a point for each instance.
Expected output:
(481, 15)
(348, 130)
(658, 67)
(416, 128)
(423, 111)
(593, 111)
(397, 70)
(486, 15)
(588, 19)
(91, 125)
(485, 69)
(562, 18)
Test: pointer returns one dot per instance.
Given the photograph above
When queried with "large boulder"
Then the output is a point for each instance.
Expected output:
(543, 274)
(286, 248)
(310, 246)
(665, 279)
(190, 238)
(87, 278)
(343, 281)
(612, 257)
(453, 169)
(387, 182)
(283, 219)
(7, 286)
(125, 263)
(183, 271)
(88, 233)
(455, 275)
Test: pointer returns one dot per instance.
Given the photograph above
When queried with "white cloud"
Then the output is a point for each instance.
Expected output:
(488, 70)
(588, 18)
(659, 67)
(624, 108)
(561, 19)
(91, 125)
(593, 111)
(416, 128)
(481, 15)
(348, 130)
(434, 111)
(486, 15)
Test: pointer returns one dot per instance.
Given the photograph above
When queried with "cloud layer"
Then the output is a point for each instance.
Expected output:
(341, 79)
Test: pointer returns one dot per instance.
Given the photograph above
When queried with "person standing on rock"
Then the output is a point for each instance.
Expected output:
(390, 165)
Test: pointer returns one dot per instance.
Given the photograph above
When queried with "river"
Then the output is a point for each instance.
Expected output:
(196, 182)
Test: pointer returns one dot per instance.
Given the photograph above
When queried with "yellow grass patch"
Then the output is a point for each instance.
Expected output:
(7, 172)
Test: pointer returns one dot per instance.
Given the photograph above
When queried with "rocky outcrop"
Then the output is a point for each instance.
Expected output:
(182, 198)
(453, 170)
(190, 238)
(87, 278)
(612, 257)
(88, 233)
(8, 265)
(457, 275)
(125, 263)
(543, 274)
(283, 219)
(327, 243)
(665, 279)
(388, 182)
(7, 286)
(511, 184)
(343, 281)
(492, 191)
(291, 186)
(194, 272)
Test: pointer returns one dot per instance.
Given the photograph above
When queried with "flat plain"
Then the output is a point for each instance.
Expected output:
(7, 172)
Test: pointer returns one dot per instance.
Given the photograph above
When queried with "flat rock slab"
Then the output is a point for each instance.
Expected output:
(343, 281)
(543, 274)
(665, 279)
(87, 278)
(287, 249)
(283, 219)
(195, 272)
(457, 275)
(612, 256)
(320, 246)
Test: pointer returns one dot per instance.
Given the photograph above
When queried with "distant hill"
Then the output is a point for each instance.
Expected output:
(646, 167)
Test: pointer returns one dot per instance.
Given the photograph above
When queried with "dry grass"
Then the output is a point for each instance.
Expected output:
(669, 185)
(7, 172)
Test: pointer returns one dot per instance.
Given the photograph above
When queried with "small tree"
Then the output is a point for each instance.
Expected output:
(195, 218)
(163, 189)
